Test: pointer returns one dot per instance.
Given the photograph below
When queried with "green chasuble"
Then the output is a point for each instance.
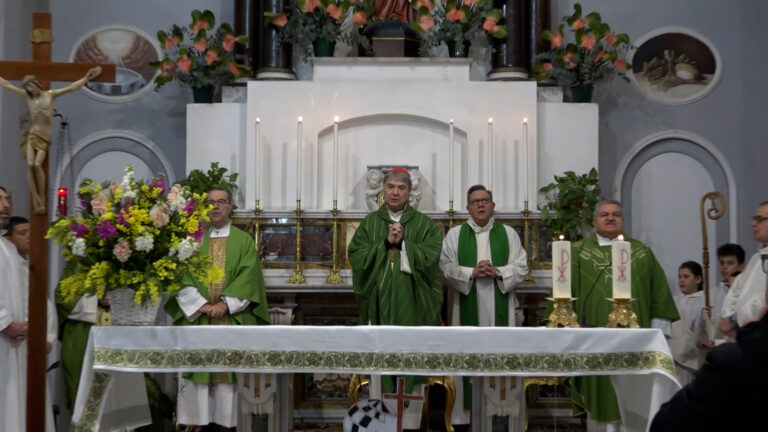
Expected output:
(385, 295)
(591, 271)
(243, 279)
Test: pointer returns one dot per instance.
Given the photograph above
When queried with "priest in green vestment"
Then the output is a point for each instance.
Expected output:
(592, 284)
(394, 256)
(238, 299)
(482, 261)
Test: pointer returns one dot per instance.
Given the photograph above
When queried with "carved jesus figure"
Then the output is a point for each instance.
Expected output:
(37, 139)
(399, 10)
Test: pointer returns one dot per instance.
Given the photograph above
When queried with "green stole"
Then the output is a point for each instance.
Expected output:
(467, 250)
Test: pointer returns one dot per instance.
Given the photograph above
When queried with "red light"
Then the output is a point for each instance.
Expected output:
(62, 192)
(62, 204)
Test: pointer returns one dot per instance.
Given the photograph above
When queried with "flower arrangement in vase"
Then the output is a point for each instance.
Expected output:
(199, 56)
(314, 26)
(457, 23)
(133, 235)
(595, 53)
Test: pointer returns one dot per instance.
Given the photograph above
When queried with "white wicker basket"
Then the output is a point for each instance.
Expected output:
(127, 313)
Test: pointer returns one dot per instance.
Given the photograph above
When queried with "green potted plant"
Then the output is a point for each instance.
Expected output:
(314, 26)
(570, 203)
(457, 23)
(595, 53)
(199, 56)
(200, 182)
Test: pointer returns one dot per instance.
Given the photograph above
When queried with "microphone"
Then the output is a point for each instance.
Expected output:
(583, 317)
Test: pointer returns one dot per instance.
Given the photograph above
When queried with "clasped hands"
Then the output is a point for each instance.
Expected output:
(16, 331)
(395, 234)
(484, 269)
(217, 310)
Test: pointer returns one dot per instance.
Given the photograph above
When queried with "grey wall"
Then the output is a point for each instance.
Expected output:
(732, 117)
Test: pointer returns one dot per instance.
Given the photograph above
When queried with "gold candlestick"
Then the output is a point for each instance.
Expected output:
(622, 315)
(450, 214)
(298, 273)
(335, 276)
(562, 314)
(528, 280)
(257, 213)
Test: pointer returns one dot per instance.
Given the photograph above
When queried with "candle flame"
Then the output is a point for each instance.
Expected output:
(451, 121)
(525, 119)
(300, 119)
(490, 119)
(336, 119)
(621, 237)
(258, 120)
(562, 237)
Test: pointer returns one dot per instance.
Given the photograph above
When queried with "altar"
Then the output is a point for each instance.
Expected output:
(638, 360)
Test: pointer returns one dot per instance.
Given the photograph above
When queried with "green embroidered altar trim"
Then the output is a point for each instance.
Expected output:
(357, 361)
(93, 403)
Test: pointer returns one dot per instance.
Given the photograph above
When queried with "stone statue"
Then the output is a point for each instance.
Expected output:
(397, 10)
(37, 138)
(373, 187)
(414, 198)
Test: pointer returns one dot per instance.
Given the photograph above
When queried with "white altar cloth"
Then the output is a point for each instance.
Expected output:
(638, 360)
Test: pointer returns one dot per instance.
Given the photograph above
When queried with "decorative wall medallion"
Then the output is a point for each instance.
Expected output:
(675, 65)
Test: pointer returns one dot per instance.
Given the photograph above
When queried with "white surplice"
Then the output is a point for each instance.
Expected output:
(459, 281)
(746, 297)
(14, 297)
(686, 332)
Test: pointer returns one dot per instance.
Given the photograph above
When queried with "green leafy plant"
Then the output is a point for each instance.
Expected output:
(596, 53)
(456, 20)
(197, 55)
(570, 203)
(199, 181)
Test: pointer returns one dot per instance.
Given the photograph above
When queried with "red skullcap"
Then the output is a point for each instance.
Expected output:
(400, 170)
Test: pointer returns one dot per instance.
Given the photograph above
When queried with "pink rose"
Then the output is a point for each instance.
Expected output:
(469, 2)
(184, 63)
(610, 38)
(280, 20)
(311, 5)
(568, 60)
(489, 25)
(211, 56)
(426, 22)
(122, 251)
(557, 40)
(160, 216)
(234, 68)
(171, 42)
(202, 44)
(621, 64)
(454, 15)
(98, 204)
(599, 56)
(166, 66)
(588, 42)
(334, 11)
(228, 42)
(174, 193)
(579, 23)
(547, 67)
(199, 25)
(359, 18)
(424, 3)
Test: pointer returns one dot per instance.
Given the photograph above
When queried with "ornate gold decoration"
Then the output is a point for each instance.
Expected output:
(451, 213)
(622, 315)
(41, 36)
(715, 212)
(450, 397)
(562, 314)
(355, 384)
(335, 277)
(298, 272)
(529, 279)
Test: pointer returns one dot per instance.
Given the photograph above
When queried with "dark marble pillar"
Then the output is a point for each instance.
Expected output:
(538, 21)
(275, 60)
(508, 61)
(245, 25)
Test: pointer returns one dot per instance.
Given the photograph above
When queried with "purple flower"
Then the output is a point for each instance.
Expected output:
(198, 235)
(190, 207)
(80, 230)
(106, 230)
(121, 219)
(84, 203)
(159, 183)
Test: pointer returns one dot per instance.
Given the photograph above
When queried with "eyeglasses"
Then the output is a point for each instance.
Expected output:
(606, 214)
(218, 202)
(480, 201)
(758, 218)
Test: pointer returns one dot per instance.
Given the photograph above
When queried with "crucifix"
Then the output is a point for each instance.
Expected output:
(45, 71)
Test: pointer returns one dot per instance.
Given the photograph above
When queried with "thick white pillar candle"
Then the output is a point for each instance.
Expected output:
(257, 156)
(298, 159)
(490, 154)
(561, 268)
(621, 255)
(450, 161)
(336, 158)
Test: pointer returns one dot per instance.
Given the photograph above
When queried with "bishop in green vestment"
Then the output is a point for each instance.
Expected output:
(592, 284)
(239, 299)
(394, 256)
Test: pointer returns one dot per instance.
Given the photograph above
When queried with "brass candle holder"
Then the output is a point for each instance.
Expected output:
(257, 213)
(529, 279)
(562, 314)
(622, 315)
(335, 276)
(451, 213)
(298, 273)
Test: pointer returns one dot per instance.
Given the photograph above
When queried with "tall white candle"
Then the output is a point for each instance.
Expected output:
(621, 255)
(490, 154)
(450, 161)
(298, 159)
(561, 268)
(526, 159)
(336, 158)
(257, 156)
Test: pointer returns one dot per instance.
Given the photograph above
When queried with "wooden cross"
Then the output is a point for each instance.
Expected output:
(401, 396)
(45, 71)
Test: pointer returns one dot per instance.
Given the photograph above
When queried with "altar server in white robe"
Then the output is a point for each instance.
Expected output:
(482, 261)
(14, 282)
